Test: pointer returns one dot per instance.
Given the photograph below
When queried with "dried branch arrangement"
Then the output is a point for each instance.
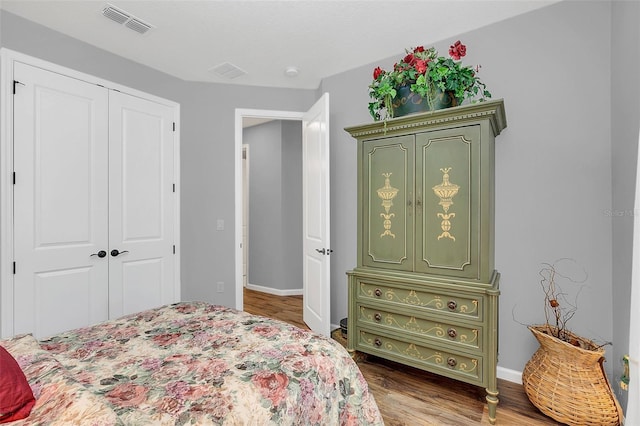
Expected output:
(560, 306)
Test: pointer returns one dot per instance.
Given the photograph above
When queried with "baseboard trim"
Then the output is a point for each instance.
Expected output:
(275, 291)
(509, 375)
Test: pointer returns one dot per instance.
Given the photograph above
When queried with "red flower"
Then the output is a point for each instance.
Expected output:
(185, 309)
(418, 49)
(55, 347)
(377, 73)
(272, 385)
(266, 330)
(166, 339)
(127, 395)
(457, 50)
(409, 59)
(421, 66)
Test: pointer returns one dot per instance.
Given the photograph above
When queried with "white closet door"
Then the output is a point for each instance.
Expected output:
(60, 202)
(141, 205)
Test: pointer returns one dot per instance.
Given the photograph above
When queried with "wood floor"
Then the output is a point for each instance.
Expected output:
(412, 397)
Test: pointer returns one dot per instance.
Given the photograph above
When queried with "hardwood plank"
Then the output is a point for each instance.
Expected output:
(284, 308)
(408, 396)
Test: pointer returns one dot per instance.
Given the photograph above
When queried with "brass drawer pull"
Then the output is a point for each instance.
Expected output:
(377, 317)
(377, 342)
(452, 305)
(378, 292)
(452, 333)
(452, 362)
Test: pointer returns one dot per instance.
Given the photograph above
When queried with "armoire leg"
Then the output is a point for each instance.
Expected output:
(492, 403)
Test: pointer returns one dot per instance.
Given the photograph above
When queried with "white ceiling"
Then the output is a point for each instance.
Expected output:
(263, 37)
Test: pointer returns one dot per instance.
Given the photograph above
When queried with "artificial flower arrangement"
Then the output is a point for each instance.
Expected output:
(426, 74)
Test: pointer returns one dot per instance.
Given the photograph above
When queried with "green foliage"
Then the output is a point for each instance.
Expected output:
(425, 72)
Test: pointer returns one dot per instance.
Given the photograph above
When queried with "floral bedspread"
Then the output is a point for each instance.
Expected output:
(195, 363)
(60, 399)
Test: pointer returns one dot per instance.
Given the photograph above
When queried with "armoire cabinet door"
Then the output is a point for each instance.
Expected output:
(387, 200)
(447, 204)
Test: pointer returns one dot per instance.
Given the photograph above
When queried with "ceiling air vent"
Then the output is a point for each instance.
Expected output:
(115, 14)
(122, 17)
(137, 25)
(228, 70)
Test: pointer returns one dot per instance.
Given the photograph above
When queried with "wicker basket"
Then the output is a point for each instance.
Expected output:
(568, 383)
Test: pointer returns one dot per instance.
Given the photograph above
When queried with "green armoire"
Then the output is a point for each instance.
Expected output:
(425, 291)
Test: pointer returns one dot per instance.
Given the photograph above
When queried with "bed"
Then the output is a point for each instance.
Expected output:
(192, 363)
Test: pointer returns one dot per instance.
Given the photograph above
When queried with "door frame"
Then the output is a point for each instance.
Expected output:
(7, 59)
(633, 410)
(246, 162)
(241, 113)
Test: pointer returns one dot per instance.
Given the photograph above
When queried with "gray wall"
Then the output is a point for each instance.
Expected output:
(571, 115)
(265, 204)
(292, 204)
(275, 205)
(625, 114)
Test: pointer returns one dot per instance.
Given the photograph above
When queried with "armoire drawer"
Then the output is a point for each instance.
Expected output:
(428, 299)
(449, 332)
(447, 363)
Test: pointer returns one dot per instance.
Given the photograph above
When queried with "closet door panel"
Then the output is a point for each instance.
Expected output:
(60, 202)
(140, 281)
(141, 204)
(140, 175)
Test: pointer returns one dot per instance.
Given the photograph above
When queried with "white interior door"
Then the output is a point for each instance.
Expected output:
(316, 213)
(141, 205)
(60, 202)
